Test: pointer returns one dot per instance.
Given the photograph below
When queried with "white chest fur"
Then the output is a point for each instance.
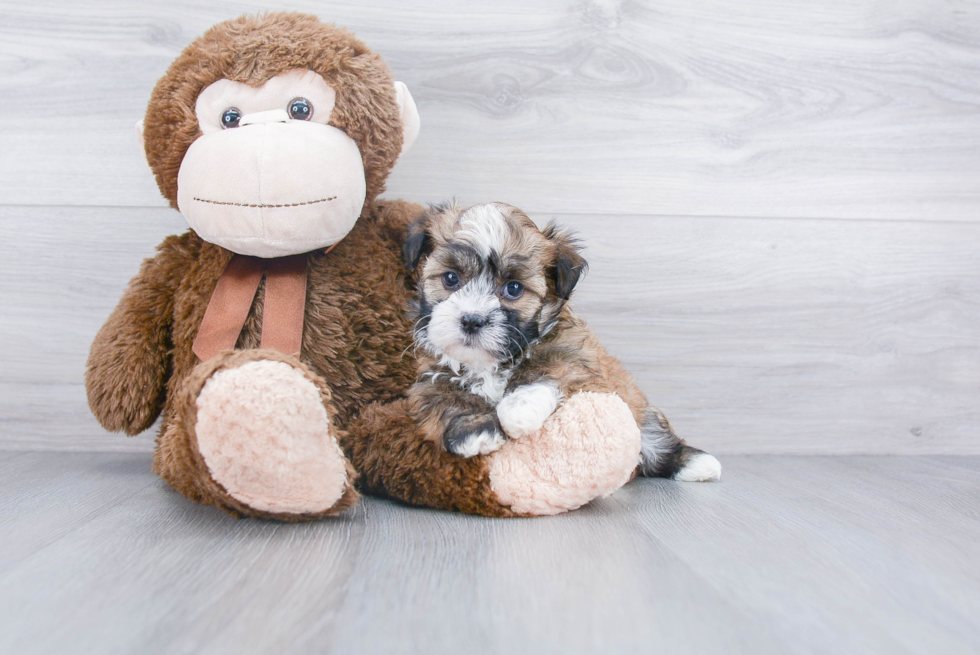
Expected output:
(489, 382)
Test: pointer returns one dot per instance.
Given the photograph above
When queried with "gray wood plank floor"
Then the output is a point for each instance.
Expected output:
(781, 208)
(785, 555)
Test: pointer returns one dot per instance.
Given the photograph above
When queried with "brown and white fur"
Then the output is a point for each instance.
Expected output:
(500, 347)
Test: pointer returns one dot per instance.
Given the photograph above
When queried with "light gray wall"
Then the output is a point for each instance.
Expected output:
(779, 199)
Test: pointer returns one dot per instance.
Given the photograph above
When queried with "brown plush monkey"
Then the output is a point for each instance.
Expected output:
(262, 333)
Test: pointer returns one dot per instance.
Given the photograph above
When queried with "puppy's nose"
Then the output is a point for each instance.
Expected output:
(471, 323)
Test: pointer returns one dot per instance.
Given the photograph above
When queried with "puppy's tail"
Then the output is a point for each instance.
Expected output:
(664, 455)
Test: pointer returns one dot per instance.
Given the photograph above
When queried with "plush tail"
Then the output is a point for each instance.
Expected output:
(664, 455)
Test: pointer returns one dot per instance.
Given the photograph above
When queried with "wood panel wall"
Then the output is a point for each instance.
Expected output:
(780, 200)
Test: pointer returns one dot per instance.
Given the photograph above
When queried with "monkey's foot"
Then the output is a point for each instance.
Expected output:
(587, 449)
(262, 428)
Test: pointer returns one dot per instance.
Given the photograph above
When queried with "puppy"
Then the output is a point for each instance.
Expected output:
(501, 348)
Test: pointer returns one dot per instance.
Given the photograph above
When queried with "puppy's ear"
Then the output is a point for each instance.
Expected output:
(568, 266)
(418, 242)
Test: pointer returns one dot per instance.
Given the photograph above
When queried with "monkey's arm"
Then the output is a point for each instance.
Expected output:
(128, 363)
(394, 217)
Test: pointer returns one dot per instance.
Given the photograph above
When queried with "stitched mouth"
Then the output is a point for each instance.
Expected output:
(245, 204)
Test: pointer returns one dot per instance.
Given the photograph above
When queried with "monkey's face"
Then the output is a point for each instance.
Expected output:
(269, 176)
(273, 133)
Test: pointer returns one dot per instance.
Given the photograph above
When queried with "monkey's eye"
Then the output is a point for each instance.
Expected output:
(513, 290)
(450, 279)
(231, 117)
(300, 109)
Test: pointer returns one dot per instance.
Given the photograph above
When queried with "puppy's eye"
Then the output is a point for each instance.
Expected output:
(450, 279)
(300, 109)
(231, 117)
(513, 290)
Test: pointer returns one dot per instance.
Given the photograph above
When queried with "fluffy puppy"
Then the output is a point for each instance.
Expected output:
(500, 347)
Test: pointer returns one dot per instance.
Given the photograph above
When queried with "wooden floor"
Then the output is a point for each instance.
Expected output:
(876, 554)
(780, 204)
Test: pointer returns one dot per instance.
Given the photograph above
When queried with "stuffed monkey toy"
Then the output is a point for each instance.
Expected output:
(263, 332)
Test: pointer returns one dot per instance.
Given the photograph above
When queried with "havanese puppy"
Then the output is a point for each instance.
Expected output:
(501, 348)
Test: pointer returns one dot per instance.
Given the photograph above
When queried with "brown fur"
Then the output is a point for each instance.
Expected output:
(396, 461)
(570, 354)
(354, 338)
(254, 49)
(179, 460)
(356, 330)
(573, 355)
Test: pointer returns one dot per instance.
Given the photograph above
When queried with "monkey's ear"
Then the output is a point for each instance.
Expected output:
(418, 243)
(569, 266)
(411, 123)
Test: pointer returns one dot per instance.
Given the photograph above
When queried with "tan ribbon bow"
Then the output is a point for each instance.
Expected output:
(282, 313)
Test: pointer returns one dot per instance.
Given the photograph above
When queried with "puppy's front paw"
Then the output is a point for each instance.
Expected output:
(469, 436)
(525, 409)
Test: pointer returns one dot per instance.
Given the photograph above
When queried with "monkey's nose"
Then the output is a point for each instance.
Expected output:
(271, 116)
(471, 323)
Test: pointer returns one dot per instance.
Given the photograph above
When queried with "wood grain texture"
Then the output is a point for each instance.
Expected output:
(753, 336)
(834, 109)
(784, 555)
(794, 336)
(662, 131)
(62, 271)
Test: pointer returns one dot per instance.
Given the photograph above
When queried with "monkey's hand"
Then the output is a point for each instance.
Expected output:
(525, 409)
(127, 368)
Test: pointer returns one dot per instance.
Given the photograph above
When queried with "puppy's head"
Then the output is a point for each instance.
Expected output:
(489, 282)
